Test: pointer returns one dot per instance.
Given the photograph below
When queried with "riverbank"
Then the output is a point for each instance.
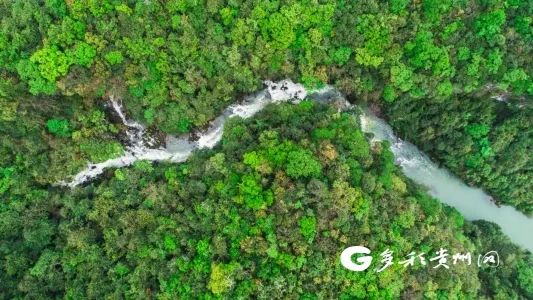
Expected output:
(473, 203)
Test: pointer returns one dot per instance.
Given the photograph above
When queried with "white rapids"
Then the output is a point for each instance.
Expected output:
(178, 149)
(472, 202)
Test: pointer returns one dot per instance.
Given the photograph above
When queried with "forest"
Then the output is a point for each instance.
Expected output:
(179, 63)
(268, 211)
(265, 213)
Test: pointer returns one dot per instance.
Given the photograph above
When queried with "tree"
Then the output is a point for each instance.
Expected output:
(308, 227)
(221, 277)
(401, 77)
(58, 127)
(489, 24)
(342, 55)
(252, 194)
(302, 163)
(83, 54)
(6, 175)
(114, 57)
(52, 62)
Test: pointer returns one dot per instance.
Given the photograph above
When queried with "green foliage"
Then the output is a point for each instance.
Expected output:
(45, 263)
(121, 269)
(365, 58)
(221, 278)
(519, 80)
(114, 57)
(169, 243)
(119, 175)
(253, 159)
(252, 194)
(6, 175)
(208, 53)
(494, 61)
(451, 29)
(477, 131)
(233, 223)
(398, 6)
(424, 54)
(489, 24)
(308, 227)
(58, 127)
(83, 54)
(434, 9)
(478, 138)
(485, 235)
(58, 7)
(525, 277)
(9, 109)
(388, 93)
(342, 55)
(430, 66)
(401, 77)
(523, 26)
(279, 29)
(301, 163)
(445, 89)
(52, 62)
(463, 53)
(29, 71)
(101, 151)
(174, 119)
(67, 32)
(377, 39)
(323, 133)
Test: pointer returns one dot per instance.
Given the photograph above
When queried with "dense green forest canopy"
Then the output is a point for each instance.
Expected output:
(179, 63)
(488, 142)
(264, 214)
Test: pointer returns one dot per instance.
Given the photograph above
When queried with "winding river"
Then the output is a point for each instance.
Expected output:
(473, 203)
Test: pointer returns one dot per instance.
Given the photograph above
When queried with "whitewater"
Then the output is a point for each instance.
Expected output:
(471, 202)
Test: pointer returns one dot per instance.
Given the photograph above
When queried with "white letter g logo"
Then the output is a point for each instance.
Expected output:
(346, 258)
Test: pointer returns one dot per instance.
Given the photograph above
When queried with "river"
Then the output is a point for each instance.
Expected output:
(472, 203)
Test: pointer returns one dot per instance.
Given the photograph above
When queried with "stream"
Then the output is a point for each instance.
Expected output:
(472, 203)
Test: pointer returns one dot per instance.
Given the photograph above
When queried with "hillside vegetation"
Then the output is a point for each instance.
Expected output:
(264, 215)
